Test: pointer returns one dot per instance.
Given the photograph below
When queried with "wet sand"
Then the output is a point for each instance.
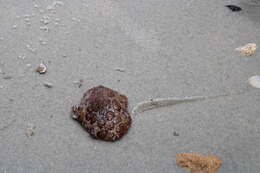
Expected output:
(165, 48)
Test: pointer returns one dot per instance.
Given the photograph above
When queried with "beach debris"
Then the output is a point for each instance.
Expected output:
(103, 112)
(234, 8)
(119, 69)
(42, 68)
(248, 49)
(45, 20)
(254, 81)
(79, 83)
(30, 130)
(48, 84)
(198, 163)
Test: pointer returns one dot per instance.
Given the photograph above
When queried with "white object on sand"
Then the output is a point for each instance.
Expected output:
(48, 84)
(30, 130)
(42, 68)
(254, 81)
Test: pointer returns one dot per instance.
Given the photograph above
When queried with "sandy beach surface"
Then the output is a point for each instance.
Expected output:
(143, 49)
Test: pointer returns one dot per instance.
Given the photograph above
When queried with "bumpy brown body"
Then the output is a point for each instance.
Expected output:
(103, 112)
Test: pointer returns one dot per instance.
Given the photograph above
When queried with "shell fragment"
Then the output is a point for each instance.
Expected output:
(248, 49)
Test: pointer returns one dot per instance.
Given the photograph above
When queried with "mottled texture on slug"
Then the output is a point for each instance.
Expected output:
(103, 112)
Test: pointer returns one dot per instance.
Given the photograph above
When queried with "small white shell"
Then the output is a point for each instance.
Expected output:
(248, 49)
(254, 81)
(48, 84)
(41, 68)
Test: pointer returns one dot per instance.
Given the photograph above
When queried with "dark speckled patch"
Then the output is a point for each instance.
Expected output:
(103, 112)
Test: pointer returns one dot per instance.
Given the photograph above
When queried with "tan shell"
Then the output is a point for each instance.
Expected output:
(198, 163)
(41, 68)
(248, 49)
